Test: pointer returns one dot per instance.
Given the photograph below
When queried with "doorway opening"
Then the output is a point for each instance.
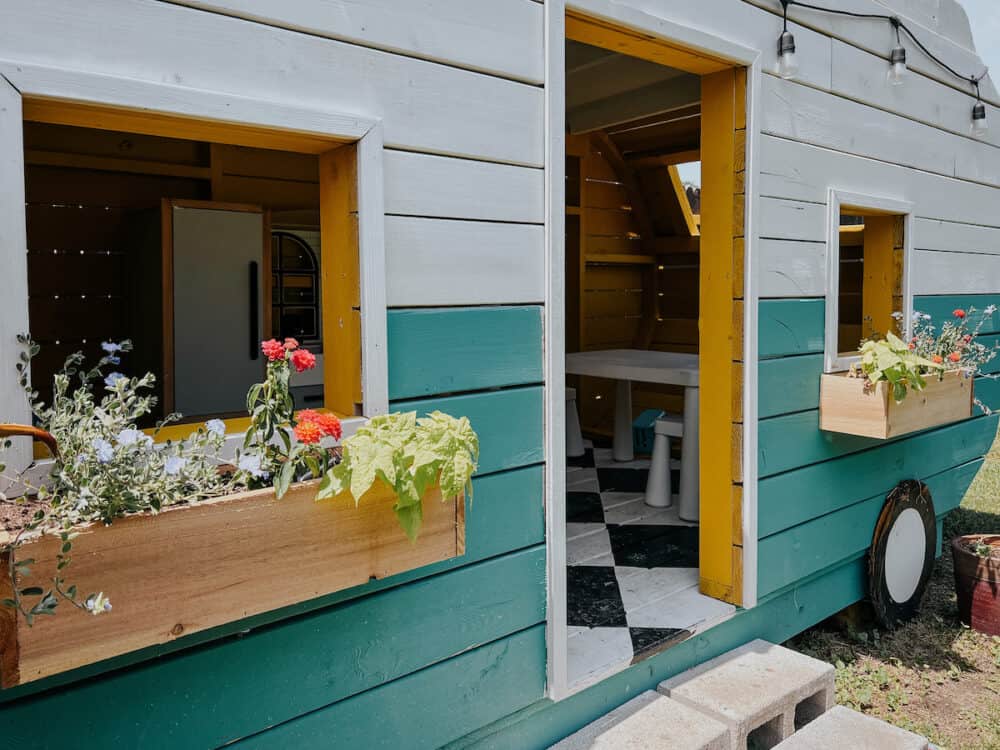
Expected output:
(655, 158)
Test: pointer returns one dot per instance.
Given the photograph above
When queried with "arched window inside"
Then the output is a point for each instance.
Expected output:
(294, 289)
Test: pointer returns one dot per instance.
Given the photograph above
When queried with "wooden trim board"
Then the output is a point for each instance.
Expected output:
(196, 567)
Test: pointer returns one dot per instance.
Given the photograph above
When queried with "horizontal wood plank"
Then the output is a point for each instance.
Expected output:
(791, 268)
(432, 707)
(272, 675)
(509, 423)
(788, 384)
(500, 38)
(427, 185)
(783, 219)
(789, 326)
(423, 105)
(788, 499)
(434, 262)
(941, 308)
(463, 349)
(796, 553)
(936, 272)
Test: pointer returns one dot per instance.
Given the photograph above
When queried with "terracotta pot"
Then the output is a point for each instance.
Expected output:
(977, 583)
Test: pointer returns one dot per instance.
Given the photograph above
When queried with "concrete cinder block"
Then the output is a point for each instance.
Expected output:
(841, 728)
(760, 691)
(650, 721)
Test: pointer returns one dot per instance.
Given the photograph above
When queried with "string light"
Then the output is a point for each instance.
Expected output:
(788, 64)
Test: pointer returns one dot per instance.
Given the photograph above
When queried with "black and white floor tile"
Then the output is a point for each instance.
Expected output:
(632, 575)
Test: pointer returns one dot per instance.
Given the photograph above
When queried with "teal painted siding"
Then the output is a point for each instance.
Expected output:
(427, 709)
(400, 661)
(940, 307)
(790, 326)
(820, 493)
(463, 349)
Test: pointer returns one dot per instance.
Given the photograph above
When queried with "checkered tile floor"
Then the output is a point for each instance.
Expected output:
(632, 575)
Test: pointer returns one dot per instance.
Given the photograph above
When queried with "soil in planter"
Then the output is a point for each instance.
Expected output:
(977, 583)
(14, 517)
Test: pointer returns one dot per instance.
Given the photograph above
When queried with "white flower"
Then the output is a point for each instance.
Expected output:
(97, 604)
(112, 379)
(216, 427)
(174, 464)
(131, 436)
(250, 463)
(990, 309)
(103, 449)
(111, 347)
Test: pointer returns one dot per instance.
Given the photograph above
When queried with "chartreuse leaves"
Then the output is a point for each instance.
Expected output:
(410, 456)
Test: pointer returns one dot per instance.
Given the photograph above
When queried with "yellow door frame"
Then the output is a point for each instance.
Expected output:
(723, 201)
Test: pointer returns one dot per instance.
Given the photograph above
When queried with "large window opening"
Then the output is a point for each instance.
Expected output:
(654, 197)
(194, 249)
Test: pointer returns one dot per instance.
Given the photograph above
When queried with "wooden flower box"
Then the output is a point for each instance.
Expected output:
(846, 407)
(199, 566)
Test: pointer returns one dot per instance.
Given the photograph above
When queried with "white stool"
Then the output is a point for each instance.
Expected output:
(574, 436)
(658, 485)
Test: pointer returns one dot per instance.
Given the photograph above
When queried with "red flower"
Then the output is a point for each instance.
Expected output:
(959, 313)
(273, 349)
(327, 423)
(912, 345)
(937, 359)
(967, 338)
(308, 433)
(291, 343)
(303, 359)
(955, 356)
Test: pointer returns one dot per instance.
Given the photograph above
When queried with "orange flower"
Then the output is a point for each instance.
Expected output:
(959, 313)
(273, 349)
(955, 356)
(308, 433)
(328, 424)
(912, 345)
(303, 359)
(937, 359)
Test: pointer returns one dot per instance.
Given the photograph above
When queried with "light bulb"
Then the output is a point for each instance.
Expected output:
(788, 63)
(897, 65)
(979, 124)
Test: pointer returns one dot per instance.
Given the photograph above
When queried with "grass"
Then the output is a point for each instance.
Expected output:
(933, 675)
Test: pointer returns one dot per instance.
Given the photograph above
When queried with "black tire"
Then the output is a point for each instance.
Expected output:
(909, 494)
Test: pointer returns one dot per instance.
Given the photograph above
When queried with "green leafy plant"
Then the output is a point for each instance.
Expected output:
(409, 455)
(905, 366)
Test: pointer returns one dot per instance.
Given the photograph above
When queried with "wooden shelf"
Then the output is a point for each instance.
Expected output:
(620, 259)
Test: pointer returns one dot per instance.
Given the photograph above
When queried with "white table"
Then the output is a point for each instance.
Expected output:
(642, 365)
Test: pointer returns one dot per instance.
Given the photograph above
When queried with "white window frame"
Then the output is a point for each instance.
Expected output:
(18, 81)
(864, 204)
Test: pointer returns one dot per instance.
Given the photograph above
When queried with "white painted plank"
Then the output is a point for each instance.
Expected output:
(801, 113)
(425, 106)
(803, 172)
(789, 268)
(443, 262)
(860, 75)
(930, 234)
(14, 261)
(791, 220)
(424, 185)
(936, 272)
(504, 38)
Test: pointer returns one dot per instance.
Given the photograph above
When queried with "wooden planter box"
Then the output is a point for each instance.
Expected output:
(844, 406)
(199, 566)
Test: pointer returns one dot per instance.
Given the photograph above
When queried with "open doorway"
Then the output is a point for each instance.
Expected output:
(654, 241)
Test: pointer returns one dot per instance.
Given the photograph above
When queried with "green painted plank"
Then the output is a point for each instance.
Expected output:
(509, 424)
(463, 349)
(507, 514)
(788, 384)
(776, 620)
(796, 553)
(789, 326)
(940, 307)
(988, 392)
(236, 687)
(788, 499)
(795, 440)
(427, 709)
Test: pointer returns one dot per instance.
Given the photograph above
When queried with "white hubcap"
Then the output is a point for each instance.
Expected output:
(904, 555)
